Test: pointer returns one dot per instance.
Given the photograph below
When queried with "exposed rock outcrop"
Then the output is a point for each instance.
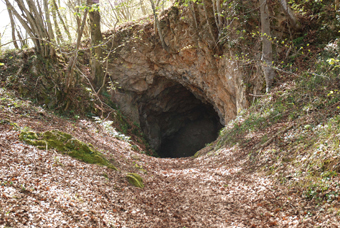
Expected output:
(145, 72)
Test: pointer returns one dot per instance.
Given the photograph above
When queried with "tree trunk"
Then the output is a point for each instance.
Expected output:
(290, 14)
(192, 8)
(267, 51)
(208, 13)
(56, 25)
(37, 21)
(72, 62)
(215, 14)
(23, 43)
(219, 11)
(165, 47)
(96, 51)
(141, 3)
(25, 25)
(62, 21)
(49, 26)
(36, 24)
(32, 21)
(12, 26)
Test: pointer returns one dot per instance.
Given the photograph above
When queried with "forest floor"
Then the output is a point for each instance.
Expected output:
(223, 188)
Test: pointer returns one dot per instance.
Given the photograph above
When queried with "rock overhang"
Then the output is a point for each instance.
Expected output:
(141, 66)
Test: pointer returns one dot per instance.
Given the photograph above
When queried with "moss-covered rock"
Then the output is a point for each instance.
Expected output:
(135, 180)
(67, 144)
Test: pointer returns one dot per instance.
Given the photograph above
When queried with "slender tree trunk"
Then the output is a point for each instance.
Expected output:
(25, 25)
(72, 62)
(22, 41)
(96, 51)
(12, 26)
(62, 21)
(219, 11)
(78, 21)
(49, 26)
(32, 20)
(267, 51)
(56, 25)
(36, 20)
(39, 7)
(141, 3)
(215, 14)
(165, 47)
(192, 8)
(209, 22)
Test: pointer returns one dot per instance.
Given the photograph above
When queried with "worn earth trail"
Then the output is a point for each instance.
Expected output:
(42, 188)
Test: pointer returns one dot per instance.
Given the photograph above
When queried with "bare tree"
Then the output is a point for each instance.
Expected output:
(32, 19)
(75, 12)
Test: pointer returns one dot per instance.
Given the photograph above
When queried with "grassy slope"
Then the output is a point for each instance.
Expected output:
(292, 134)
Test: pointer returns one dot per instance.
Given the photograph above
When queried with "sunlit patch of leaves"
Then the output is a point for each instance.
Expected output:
(107, 125)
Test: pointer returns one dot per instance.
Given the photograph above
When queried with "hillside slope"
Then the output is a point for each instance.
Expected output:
(275, 165)
(226, 186)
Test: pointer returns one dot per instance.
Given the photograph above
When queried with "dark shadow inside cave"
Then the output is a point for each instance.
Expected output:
(176, 123)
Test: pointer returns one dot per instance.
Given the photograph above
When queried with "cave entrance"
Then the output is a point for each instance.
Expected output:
(176, 123)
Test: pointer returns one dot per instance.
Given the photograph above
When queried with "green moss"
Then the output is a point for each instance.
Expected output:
(135, 180)
(67, 144)
(5, 121)
(197, 154)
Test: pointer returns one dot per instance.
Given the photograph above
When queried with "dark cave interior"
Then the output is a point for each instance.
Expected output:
(175, 122)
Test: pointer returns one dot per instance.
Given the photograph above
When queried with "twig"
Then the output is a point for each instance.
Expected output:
(288, 72)
(323, 76)
(334, 104)
(13, 41)
(95, 93)
(273, 137)
(255, 95)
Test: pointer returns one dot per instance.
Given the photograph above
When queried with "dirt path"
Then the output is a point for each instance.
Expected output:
(41, 188)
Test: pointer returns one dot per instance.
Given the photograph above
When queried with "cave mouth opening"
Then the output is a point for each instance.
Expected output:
(175, 122)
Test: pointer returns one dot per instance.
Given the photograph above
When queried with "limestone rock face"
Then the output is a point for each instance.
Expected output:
(150, 79)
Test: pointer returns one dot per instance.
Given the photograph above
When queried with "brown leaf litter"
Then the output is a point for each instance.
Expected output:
(42, 188)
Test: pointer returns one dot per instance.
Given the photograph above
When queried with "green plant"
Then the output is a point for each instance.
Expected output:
(135, 179)
(57, 161)
(329, 174)
(107, 125)
(135, 147)
(105, 175)
(65, 143)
